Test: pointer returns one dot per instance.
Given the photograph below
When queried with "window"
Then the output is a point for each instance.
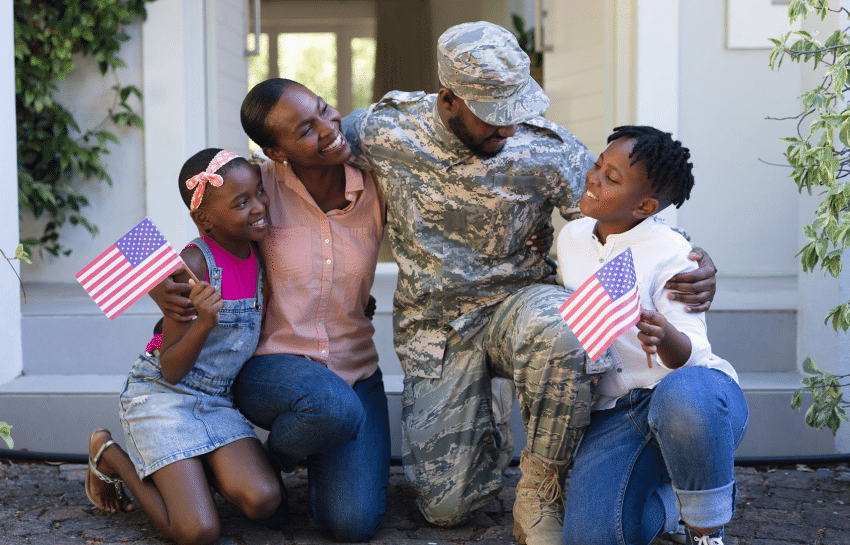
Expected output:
(331, 51)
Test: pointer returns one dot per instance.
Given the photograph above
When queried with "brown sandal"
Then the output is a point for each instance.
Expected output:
(116, 482)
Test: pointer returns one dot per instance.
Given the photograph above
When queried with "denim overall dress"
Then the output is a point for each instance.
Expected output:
(164, 422)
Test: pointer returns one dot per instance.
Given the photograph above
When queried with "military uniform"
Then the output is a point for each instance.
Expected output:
(473, 302)
(458, 224)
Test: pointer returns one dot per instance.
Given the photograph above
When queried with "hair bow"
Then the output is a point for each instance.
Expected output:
(199, 181)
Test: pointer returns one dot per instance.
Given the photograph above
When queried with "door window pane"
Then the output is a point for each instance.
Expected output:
(363, 71)
(310, 59)
(258, 65)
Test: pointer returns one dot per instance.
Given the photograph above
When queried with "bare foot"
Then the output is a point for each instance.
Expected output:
(104, 495)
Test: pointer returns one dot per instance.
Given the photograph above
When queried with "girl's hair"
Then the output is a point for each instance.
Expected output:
(666, 161)
(256, 107)
(198, 163)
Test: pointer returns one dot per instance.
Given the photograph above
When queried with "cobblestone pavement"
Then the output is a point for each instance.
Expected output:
(46, 504)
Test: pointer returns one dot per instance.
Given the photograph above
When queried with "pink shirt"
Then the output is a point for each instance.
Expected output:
(239, 276)
(320, 267)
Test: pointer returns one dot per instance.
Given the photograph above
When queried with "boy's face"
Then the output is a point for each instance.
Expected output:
(616, 193)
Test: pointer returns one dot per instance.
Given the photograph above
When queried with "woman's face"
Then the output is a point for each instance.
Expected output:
(307, 130)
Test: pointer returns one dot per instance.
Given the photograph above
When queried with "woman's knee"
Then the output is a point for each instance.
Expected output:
(353, 524)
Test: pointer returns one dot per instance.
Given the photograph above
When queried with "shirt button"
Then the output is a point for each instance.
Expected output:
(602, 260)
(321, 324)
(327, 241)
(619, 370)
(324, 351)
(350, 197)
(327, 281)
(328, 261)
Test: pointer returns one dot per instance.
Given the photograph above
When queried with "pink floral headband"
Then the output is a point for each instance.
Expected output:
(199, 181)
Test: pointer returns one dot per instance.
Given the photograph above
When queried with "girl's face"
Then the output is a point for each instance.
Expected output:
(615, 191)
(307, 130)
(236, 213)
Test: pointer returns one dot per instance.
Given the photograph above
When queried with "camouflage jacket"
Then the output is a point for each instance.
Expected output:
(458, 223)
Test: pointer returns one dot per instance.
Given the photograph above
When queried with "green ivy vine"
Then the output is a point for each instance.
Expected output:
(53, 150)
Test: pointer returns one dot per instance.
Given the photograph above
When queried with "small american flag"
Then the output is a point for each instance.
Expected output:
(605, 306)
(128, 269)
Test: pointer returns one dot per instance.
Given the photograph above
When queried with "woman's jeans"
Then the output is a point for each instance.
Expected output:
(655, 448)
(343, 433)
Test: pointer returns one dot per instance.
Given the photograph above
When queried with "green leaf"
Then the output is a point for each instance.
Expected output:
(810, 367)
(821, 247)
(5, 434)
(22, 254)
(796, 399)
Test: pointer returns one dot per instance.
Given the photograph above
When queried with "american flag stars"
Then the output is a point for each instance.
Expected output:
(618, 275)
(128, 269)
(605, 306)
(140, 242)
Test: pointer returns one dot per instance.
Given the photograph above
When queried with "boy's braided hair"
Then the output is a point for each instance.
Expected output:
(666, 161)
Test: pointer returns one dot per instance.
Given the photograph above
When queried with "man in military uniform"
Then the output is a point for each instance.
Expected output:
(469, 174)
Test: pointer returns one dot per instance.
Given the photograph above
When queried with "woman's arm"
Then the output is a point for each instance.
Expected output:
(170, 296)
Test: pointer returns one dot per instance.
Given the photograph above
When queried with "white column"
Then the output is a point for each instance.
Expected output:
(11, 362)
(657, 101)
(174, 76)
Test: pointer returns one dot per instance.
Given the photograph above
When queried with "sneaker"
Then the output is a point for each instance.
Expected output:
(693, 537)
(677, 535)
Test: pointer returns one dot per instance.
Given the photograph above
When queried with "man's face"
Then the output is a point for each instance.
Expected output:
(481, 138)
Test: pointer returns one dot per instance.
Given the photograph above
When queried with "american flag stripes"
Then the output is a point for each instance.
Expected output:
(128, 269)
(605, 306)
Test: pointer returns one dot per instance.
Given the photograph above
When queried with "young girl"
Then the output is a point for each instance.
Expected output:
(662, 436)
(180, 424)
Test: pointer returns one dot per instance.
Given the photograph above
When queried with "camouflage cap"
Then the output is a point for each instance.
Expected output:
(483, 64)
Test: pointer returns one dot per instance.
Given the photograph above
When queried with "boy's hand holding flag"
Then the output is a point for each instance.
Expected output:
(605, 306)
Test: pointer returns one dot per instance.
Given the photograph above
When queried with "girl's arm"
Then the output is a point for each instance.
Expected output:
(181, 341)
(657, 335)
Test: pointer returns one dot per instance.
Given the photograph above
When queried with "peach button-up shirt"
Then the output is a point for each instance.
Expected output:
(320, 267)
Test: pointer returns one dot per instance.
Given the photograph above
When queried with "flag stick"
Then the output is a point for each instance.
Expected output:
(191, 274)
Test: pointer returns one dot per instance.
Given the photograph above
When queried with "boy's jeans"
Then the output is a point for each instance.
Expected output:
(684, 431)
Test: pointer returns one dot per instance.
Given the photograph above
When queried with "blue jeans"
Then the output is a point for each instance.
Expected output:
(342, 432)
(654, 449)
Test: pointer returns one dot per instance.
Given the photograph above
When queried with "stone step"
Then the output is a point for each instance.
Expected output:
(56, 413)
(75, 361)
(64, 332)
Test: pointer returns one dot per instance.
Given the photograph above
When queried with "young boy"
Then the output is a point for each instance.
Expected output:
(651, 427)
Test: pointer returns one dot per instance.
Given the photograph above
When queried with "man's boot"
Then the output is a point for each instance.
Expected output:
(539, 505)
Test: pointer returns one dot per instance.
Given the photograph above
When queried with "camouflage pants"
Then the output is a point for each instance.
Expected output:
(450, 444)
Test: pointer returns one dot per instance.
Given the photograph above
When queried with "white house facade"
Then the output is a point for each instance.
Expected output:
(697, 69)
